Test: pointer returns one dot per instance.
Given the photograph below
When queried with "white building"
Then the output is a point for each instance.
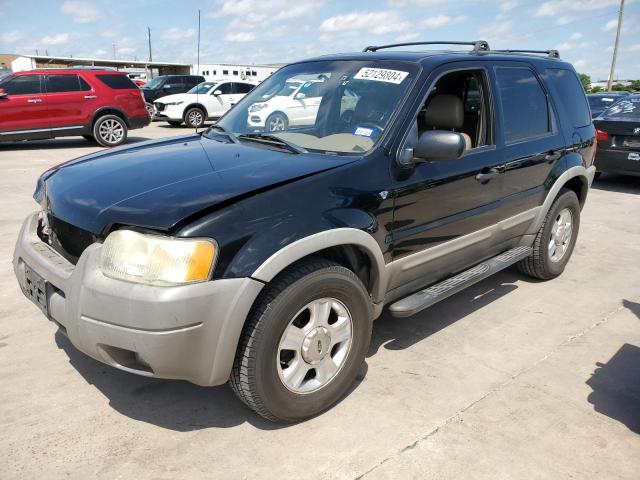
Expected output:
(229, 71)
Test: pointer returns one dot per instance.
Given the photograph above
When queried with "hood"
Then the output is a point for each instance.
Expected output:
(159, 183)
(176, 97)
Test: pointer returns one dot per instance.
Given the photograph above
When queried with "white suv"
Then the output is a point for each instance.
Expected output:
(208, 100)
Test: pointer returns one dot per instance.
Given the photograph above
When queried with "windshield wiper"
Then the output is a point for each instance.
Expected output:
(272, 140)
(226, 132)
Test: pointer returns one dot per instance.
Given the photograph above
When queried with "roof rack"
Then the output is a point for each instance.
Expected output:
(549, 53)
(478, 46)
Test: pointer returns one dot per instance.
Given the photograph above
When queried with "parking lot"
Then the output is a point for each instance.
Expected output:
(512, 378)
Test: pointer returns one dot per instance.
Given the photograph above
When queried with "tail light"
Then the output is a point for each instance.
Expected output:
(601, 135)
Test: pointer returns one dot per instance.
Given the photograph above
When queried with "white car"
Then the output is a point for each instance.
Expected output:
(295, 105)
(206, 101)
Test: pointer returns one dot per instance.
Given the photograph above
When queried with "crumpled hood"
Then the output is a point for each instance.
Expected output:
(158, 183)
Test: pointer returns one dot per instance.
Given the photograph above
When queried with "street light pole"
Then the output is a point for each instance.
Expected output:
(615, 48)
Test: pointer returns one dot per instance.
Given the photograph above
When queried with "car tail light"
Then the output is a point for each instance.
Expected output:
(601, 135)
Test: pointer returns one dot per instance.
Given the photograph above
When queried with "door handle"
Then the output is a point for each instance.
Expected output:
(88, 97)
(34, 100)
(485, 178)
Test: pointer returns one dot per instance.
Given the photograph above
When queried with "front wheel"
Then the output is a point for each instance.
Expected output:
(110, 131)
(277, 122)
(194, 117)
(304, 342)
(556, 238)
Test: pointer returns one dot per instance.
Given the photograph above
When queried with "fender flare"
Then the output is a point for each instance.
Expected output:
(576, 171)
(320, 241)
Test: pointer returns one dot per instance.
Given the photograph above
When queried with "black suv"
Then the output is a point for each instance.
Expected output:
(262, 257)
(168, 85)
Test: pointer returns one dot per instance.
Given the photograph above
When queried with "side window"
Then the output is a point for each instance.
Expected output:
(23, 85)
(243, 87)
(524, 104)
(65, 83)
(571, 95)
(225, 88)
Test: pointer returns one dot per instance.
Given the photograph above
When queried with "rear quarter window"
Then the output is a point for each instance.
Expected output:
(117, 82)
(571, 95)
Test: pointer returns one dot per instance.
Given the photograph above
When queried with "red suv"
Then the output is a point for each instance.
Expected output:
(99, 104)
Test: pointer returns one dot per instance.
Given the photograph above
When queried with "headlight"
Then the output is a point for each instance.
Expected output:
(174, 103)
(156, 260)
(256, 107)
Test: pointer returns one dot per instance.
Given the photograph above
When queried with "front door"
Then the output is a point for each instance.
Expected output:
(23, 111)
(446, 212)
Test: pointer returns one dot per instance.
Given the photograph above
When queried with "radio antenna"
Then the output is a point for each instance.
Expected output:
(198, 63)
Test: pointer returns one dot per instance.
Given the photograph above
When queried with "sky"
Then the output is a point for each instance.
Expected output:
(280, 31)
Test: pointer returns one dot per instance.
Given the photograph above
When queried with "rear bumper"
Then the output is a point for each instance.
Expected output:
(188, 332)
(616, 161)
(139, 122)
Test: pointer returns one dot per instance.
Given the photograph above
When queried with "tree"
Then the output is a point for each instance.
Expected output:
(585, 80)
(597, 89)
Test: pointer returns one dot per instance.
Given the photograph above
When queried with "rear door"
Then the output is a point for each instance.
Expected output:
(71, 102)
(533, 141)
(240, 90)
(23, 111)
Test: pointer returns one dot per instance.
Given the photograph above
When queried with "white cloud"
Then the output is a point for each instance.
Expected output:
(555, 7)
(407, 37)
(507, 6)
(375, 22)
(81, 12)
(58, 39)
(241, 8)
(176, 33)
(10, 37)
(424, 3)
(240, 37)
(610, 25)
(442, 20)
(576, 36)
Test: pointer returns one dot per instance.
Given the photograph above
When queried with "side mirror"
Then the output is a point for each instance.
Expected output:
(3, 93)
(217, 92)
(438, 145)
(300, 96)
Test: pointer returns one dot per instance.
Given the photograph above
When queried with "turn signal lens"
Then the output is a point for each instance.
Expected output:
(156, 260)
(601, 135)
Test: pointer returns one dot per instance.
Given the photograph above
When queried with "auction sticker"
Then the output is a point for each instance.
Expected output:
(381, 75)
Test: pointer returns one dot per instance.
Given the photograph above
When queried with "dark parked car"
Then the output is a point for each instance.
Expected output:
(168, 85)
(99, 104)
(599, 102)
(618, 134)
(262, 258)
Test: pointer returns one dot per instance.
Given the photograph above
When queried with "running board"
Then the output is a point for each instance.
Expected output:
(425, 298)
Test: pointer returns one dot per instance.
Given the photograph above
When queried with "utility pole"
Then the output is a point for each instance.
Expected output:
(615, 48)
(149, 38)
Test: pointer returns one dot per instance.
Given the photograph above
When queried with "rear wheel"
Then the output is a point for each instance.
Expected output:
(304, 342)
(110, 131)
(194, 117)
(556, 238)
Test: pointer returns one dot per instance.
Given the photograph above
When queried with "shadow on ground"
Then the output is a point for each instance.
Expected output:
(616, 387)
(617, 183)
(182, 406)
(62, 142)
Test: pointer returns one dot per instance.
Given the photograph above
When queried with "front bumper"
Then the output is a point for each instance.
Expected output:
(169, 112)
(187, 332)
(616, 161)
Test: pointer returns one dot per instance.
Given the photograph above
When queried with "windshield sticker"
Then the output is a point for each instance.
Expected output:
(623, 106)
(363, 131)
(381, 75)
(607, 99)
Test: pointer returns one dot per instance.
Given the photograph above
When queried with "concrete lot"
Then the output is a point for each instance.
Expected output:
(510, 379)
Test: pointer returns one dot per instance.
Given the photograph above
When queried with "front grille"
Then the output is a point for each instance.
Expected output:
(66, 239)
(159, 106)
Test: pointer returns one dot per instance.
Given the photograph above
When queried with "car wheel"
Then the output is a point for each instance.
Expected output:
(110, 131)
(556, 238)
(277, 122)
(304, 342)
(194, 117)
(150, 109)
(175, 123)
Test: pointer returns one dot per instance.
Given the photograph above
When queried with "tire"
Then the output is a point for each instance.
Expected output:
(175, 123)
(596, 176)
(194, 117)
(548, 261)
(89, 138)
(151, 110)
(258, 377)
(110, 131)
(276, 122)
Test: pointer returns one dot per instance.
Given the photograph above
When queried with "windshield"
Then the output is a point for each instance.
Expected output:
(628, 107)
(603, 101)
(155, 83)
(328, 106)
(202, 88)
